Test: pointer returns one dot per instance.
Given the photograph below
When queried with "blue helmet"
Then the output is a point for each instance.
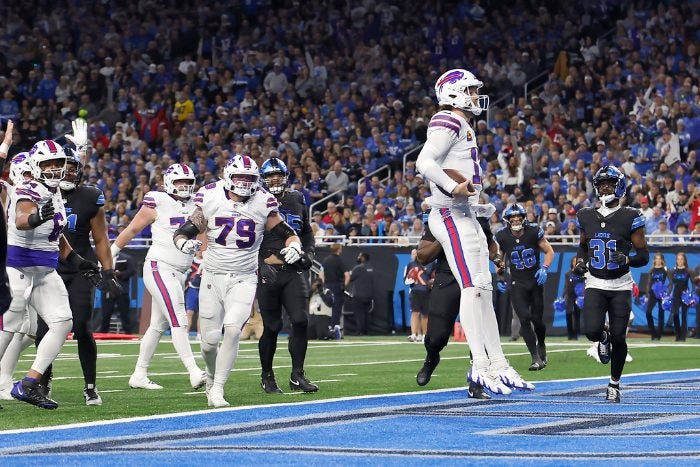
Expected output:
(610, 172)
(271, 167)
(514, 210)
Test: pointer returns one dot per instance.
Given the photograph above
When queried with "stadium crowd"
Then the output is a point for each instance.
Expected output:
(345, 88)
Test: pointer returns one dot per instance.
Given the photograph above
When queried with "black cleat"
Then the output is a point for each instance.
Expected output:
(268, 383)
(299, 382)
(475, 391)
(537, 365)
(424, 374)
(613, 393)
(542, 352)
(31, 392)
(604, 348)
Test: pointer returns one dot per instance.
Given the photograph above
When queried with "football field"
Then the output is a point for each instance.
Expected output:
(416, 424)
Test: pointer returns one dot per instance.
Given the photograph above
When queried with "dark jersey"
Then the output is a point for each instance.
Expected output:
(82, 205)
(680, 278)
(521, 253)
(293, 209)
(607, 234)
(441, 264)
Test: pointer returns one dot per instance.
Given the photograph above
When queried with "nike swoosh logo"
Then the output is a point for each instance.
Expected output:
(19, 390)
(294, 382)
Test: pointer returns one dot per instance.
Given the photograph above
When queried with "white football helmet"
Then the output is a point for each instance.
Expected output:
(45, 151)
(177, 172)
(19, 168)
(241, 175)
(459, 88)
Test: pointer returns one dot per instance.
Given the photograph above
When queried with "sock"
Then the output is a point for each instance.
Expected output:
(51, 345)
(181, 342)
(149, 343)
(8, 364)
(615, 384)
(470, 317)
(227, 357)
(489, 330)
(266, 348)
(298, 343)
(87, 353)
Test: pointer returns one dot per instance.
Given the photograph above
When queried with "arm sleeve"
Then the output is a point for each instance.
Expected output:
(435, 148)
(308, 241)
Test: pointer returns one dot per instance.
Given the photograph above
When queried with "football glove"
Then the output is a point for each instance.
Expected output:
(541, 275)
(43, 214)
(292, 253)
(189, 247)
(502, 286)
(80, 134)
(110, 285)
(500, 265)
(306, 262)
(620, 258)
(579, 269)
(267, 273)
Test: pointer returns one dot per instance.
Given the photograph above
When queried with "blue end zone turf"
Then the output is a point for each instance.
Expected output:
(562, 422)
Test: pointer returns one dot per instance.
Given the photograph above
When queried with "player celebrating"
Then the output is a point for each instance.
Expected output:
(234, 213)
(521, 245)
(165, 272)
(451, 144)
(607, 236)
(37, 217)
(284, 285)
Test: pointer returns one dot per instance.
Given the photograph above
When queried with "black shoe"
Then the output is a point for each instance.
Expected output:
(423, 376)
(613, 393)
(268, 383)
(475, 391)
(299, 382)
(604, 348)
(542, 352)
(92, 397)
(537, 365)
(31, 392)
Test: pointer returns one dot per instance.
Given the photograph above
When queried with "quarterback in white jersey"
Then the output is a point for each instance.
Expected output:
(164, 272)
(234, 213)
(451, 144)
(36, 218)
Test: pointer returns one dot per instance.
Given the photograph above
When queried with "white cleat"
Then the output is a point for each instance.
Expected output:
(487, 381)
(142, 382)
(5, 392)
(593, 352)
(513, 380)
(198, 379)
(215, 398)
(628, 358)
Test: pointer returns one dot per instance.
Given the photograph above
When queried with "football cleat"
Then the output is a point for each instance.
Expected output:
(513, 380)
(269, 384)
(5, 392)
(612, 394)
(477, 392)
(604, 348)
(29, 391)
(593, 352)
(92, 397)
(337, 333)
(215, 398)
(142, 382)
(542, 352)
(628, 358)
(486, 380)
(299, 382)
(424, 374)
(198, 379)
(537, 365)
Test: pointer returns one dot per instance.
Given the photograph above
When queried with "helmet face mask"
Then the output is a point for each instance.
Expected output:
(241, 175)
(459, 88)
(274, 175)
(179, 180)
(517, 213)
(48, 162)
(609, 184)
(71, 179)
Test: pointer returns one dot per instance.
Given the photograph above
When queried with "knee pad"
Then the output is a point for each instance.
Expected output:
(61, 327)
(210, 338)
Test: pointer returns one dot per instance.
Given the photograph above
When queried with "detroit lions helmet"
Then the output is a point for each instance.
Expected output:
(241, 175)
(460, 88)
(512, 211)
(270, 172)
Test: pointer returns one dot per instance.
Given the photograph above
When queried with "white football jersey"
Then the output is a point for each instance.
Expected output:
(34, 247)
(171, 214)
(234, 230)
(463, 155)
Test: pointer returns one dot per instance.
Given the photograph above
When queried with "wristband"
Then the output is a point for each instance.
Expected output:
(546, 267)
(4, 148)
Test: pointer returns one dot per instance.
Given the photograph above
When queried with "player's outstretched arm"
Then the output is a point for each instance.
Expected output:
(292, 244)
(146, 216)
(86, 267)
(5, 145)
(428, 251)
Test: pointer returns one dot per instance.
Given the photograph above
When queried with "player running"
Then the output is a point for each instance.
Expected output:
(608, 234)
(234, 213)
(451, 144)
(284, 285)
(521, 244)
(36, 218)
(164, 272)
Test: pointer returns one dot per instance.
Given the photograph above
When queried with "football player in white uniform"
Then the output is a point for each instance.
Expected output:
(451, 144)
(19, 172)
(234, 212)
(36, 218)
(165, 272)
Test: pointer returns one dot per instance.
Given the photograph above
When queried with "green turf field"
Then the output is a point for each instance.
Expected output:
(351, 367)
